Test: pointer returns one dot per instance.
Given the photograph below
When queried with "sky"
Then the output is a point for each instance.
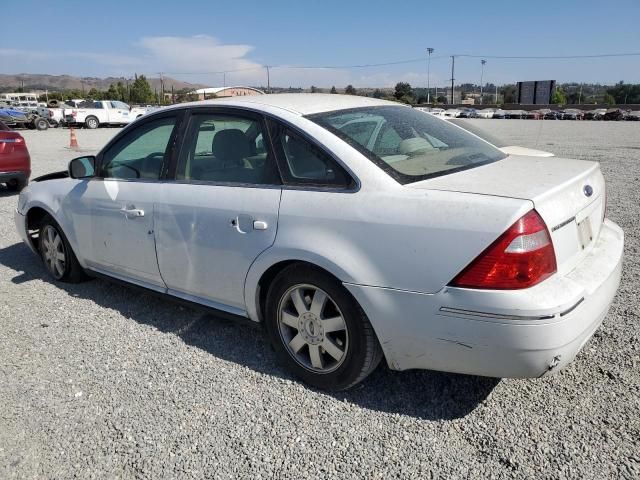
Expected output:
(192, 40)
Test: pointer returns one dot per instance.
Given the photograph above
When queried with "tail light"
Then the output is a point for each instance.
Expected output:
(521, 257)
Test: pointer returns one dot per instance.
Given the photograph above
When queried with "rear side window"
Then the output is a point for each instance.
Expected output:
(303, 163)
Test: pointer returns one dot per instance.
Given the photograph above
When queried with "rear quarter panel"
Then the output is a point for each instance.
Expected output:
(399, 239)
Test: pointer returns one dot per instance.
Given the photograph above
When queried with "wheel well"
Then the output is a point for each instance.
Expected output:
(34, 219)
(270, 274)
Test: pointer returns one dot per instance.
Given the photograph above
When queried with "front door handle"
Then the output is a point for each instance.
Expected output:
(132, 212)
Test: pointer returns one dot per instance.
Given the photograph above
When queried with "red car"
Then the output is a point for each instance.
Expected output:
(15, 161)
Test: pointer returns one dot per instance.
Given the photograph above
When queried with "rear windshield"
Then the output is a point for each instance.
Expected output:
(408, 144)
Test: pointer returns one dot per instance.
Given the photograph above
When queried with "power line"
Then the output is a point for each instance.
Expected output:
(404, 62)
(550, 57)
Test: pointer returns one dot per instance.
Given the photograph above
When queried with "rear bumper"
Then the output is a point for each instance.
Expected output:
(525, 333)
(21, 176)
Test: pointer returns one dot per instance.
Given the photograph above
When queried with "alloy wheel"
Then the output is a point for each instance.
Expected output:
(53, 251)
(312, 328)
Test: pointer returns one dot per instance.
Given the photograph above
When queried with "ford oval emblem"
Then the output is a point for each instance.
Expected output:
(587, 190)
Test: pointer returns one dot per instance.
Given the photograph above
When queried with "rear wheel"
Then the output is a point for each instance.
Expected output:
(41, 123)
(318, 330)
(91, 122)
(57, 255)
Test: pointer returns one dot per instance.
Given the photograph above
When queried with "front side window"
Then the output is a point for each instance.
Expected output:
(408, 144)
(140, 154)
(226, 148)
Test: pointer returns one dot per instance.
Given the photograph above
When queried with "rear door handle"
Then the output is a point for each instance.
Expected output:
(260, 225)
(132, 212)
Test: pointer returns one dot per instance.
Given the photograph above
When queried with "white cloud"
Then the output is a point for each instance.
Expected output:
(194, 59)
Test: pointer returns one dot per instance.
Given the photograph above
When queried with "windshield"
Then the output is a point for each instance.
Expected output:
(407, 144)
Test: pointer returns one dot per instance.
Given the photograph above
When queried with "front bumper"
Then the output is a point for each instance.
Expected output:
(519, 333)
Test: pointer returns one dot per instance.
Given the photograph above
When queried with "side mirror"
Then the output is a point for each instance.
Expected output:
(82, 167)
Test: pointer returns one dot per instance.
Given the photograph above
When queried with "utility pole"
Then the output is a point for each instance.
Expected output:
(161, 89)
(429, 51)
(496, 94)
(268, 80)
(580, 95)
(453, 67)
(224, 79)
(482, 63)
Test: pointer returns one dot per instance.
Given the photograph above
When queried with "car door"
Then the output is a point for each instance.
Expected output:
(121, 201)
(118, 112)
(221, 211)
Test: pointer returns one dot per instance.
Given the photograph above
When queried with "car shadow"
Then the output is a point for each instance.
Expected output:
(5, 192)
(423, 394)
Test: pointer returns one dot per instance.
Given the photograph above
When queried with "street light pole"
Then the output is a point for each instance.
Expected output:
(429, 51)
(453, 67)
(482, 62)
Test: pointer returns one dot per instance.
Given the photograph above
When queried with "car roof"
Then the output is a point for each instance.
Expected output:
(300, 103)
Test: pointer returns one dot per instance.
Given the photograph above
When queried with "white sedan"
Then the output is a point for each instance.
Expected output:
(352, 228)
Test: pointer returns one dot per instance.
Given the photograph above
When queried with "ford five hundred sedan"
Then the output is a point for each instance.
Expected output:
(354, 229)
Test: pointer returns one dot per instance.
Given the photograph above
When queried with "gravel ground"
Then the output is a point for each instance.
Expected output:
(99, 380)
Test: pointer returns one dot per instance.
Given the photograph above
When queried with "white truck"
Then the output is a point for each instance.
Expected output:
(102, 112)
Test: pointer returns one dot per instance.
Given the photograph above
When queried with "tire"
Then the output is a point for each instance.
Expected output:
(299, 336)
(91, 123)
(53, 241)
(41, 123)
(16, 185)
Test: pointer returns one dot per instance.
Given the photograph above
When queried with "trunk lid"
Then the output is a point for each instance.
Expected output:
(568, 194)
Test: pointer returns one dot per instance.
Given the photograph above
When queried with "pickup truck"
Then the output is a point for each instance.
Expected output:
(103, 112)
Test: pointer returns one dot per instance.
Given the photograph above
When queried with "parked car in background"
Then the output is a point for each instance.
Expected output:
(552, 115)
(468, 113)
(15, 161)
(103, 112)
(517, 114)
(484, 133)
(572, 114)
(614, 114)
(20, 119)
(595, 114)
(416, 242)
(452, 112)
(633, 116)
(486, 112)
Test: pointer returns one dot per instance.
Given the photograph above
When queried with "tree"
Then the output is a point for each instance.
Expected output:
(509, 93)
(558, 97)
(350, 90)
(123, 94)
(141, 90)
(333, 89)
(314, 89)
(112, 93)
(609, 99)
(377, 93)
(403, 89)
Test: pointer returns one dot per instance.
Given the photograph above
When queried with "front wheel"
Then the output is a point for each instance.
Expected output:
(57, 255)
(318, 330)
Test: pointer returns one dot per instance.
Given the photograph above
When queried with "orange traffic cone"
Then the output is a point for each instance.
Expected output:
(73, 142)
